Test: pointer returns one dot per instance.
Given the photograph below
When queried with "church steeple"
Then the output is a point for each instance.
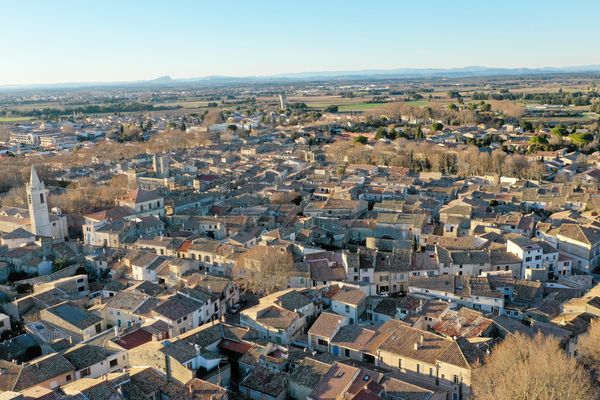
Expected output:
(37, 199)
(34, 180)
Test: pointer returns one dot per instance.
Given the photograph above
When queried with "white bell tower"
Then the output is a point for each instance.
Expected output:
(37, 198)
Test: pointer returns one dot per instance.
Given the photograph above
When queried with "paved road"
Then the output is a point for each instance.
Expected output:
(251, 300)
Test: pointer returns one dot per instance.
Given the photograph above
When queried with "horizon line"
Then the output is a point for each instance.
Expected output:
(314, 73)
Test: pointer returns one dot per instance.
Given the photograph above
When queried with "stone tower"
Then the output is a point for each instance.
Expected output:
(160, 164)
(282, 101)
(37, 198)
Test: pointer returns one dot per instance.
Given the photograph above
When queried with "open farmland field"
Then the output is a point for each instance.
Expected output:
(187, 104)
(14, 119)
(583, 118)
(325, 101)
(419, 103)
(359, 107)
(552, 88)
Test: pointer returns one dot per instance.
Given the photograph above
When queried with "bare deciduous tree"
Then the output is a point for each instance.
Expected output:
(340, 150)
(423, 156)
(86, 196)
(15, 197)
(264, 269)
(581, 162)
(4, 133)
(213, 116)
(588, 348)
(521, 368)
(508, 108)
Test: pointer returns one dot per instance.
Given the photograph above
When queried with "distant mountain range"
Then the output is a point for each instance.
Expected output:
(440, 72)
(399, 73)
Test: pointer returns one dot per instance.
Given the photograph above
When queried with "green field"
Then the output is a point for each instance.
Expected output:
(583, 118)
(346, 107)
(359, 107)
(15, 119)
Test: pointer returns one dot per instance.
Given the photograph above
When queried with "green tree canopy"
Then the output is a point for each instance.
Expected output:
(437, 126)
(361, 139)
(560, 130)
(539, 140)
(526, 125)
(581, 139)
(380, 133)
(483, 106)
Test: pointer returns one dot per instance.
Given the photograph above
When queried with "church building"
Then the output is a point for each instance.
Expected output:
(36, 219)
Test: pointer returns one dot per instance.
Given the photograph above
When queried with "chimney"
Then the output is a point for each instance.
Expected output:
(416, 346)
(421, 340)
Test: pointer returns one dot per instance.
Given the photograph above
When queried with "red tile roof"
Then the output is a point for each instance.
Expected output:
(236, 347)
(134, 339)
(185, 246)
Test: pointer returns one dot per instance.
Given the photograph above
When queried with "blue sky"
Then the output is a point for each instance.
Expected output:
(48, 41)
